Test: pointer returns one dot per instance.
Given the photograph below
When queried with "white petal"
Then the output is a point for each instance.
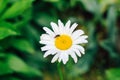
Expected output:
(45, 37)
(84, 36)
(47, 47)
(61, 26)
(55, 28)
(46, 42)
(72, 54)
(81, 39)
(55, 58)
(51, 51)
(77, 52)
(77, 33)
(60, 23)
(49, 31)
(81, 49)
(63, 57)
(67, 27)
(73, 27)
(60, 57)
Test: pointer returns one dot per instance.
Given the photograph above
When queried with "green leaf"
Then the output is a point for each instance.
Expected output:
(109, 43)
(111, 23)
(32, 32)
(3, 4)
(17, 8)
(13, 78)
(105, 3)
(44, 19)
(5, 32)
(23, 45)
(61, 5)
(7, 25)
(7, 29)
(9, 78)
(18, 65)
(113, 74)
(2, 55)
(51, 0)
(73, 3)
(4, 68)
(26, 17)
(90, 5)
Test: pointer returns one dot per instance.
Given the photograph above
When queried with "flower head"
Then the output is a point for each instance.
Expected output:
(62, 41)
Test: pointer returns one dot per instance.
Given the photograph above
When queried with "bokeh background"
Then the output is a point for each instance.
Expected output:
(21, 23)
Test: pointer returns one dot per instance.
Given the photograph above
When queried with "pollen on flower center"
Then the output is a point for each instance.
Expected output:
(63, 42)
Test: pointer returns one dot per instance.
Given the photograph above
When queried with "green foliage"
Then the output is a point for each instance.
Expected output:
(16, 64)
(90, 5)
(113, 74)
(6, 30)
(45, 19)
(13, 40)
(19, 43)
(21, 6)
(21, 23)
(3, 4)
(4, 68)
(109, 43)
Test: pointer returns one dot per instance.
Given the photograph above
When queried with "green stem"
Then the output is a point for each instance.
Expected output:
(60, 71)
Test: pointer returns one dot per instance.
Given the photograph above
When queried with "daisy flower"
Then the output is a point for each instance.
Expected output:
(62, 41)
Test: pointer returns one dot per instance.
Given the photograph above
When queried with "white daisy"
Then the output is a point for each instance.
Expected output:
(63, 41)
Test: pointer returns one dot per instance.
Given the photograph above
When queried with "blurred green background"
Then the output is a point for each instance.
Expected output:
(21, 23)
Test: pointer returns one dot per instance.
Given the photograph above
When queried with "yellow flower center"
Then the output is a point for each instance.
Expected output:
(63, 42)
